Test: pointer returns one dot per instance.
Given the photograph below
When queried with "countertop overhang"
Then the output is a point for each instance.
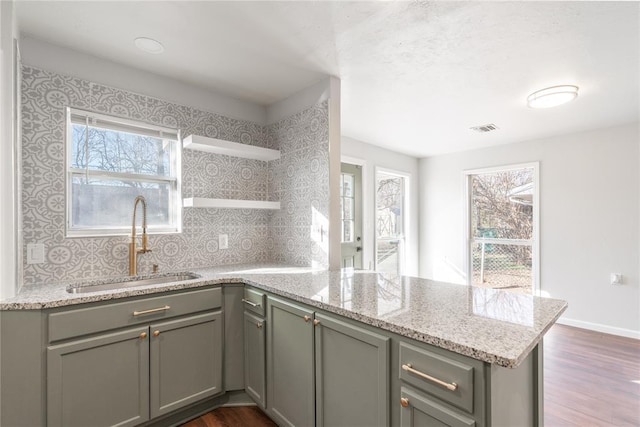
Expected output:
(490, 325)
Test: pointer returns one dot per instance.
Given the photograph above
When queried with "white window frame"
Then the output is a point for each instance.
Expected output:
(406, 226)
(132, 126)
(535, 246)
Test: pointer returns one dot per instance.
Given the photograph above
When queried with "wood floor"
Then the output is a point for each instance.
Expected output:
(591, 380)
(239, 416)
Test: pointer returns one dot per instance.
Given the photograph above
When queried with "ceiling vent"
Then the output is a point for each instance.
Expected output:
(485, 128)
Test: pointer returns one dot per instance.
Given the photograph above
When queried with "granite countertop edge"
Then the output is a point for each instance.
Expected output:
(30, 298)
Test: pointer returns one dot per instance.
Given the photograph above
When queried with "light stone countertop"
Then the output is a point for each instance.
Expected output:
(494, 326)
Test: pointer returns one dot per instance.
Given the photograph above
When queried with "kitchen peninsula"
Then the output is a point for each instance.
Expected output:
(414, 348)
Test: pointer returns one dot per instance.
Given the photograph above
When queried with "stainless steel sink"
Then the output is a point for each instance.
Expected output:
(125, 284)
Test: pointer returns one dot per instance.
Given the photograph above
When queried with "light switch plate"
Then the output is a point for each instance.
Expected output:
(223, 241)
(35, 253)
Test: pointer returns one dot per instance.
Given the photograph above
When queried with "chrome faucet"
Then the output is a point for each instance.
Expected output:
(133, 249)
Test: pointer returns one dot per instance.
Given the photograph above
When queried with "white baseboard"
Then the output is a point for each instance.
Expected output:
(629, 333)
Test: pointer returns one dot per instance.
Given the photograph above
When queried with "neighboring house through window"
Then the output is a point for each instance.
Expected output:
(110, 161)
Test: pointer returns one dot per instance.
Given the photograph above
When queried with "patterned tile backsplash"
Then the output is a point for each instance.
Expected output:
(299, 179)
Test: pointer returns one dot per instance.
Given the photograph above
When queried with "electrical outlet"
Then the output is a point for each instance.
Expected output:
(35, 253)
(223, 241)
(616, 278)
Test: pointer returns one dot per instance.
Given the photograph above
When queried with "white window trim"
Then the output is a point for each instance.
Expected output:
(406, 220)
(535, 247)
(176, 182)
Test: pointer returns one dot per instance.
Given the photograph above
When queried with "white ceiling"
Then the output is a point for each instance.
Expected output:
(415, 75)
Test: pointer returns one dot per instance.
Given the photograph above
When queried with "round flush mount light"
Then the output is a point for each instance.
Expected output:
(552, 96)
(148, 45)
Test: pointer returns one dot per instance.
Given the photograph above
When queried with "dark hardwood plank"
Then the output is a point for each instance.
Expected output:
(590, 378)
(236, 416)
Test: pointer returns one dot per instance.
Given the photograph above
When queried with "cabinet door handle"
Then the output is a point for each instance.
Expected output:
(251, 303)
(153, 310)
(306, 318)
(316, 322)
(259, 325)
(404, 402)
(143, 335)
(156, 333)
(448, 386)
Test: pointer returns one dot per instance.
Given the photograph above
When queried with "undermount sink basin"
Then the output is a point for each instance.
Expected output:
(125, 284)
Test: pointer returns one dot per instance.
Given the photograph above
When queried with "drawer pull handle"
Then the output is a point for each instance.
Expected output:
(404, 402)
(251, 303)
(153, 310)
(448, 386)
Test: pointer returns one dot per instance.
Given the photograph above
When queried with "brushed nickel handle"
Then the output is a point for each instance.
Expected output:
(143, 335)
(448, 386)
(316, 322)
(306, 318)
(156, 333)
(251, 303)
(153, 310)
(404, 402)
(259, 325)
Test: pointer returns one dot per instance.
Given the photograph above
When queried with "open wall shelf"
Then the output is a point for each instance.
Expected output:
(200, 202)
(219, 146)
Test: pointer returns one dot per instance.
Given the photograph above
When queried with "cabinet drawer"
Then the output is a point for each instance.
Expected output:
(254, 300)
(72, 323)
(419, 410)
(417, 365)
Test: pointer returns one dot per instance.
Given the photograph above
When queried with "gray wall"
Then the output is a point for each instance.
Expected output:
(254, 235)
(589, 220)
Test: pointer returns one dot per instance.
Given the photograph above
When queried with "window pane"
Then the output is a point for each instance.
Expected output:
(502, 204)
(347, 185)
(104, 203)
(389, 201)
(347, 231)
(347, 208)
(389, 256)
(501, 265)
(114, 151)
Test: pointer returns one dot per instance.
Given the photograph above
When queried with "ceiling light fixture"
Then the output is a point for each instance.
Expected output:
(552, 96)
(149, 45)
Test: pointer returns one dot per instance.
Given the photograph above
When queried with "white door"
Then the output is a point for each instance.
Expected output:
(351, 212)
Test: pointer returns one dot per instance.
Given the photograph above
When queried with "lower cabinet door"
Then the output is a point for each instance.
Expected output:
(254, 357)
(185, 361)
(352, 375)
(290, 389)
(419, 410)
(99, 381)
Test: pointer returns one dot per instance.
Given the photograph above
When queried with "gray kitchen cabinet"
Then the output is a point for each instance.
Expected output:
(185, 361)
(130, 362)
(290, 364)
(324, 371)
(99, 381)
(254, 358)
(418, 410)
(352, 374)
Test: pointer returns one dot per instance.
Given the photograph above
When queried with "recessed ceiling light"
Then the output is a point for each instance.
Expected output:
(552, 96)
(149, 45)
